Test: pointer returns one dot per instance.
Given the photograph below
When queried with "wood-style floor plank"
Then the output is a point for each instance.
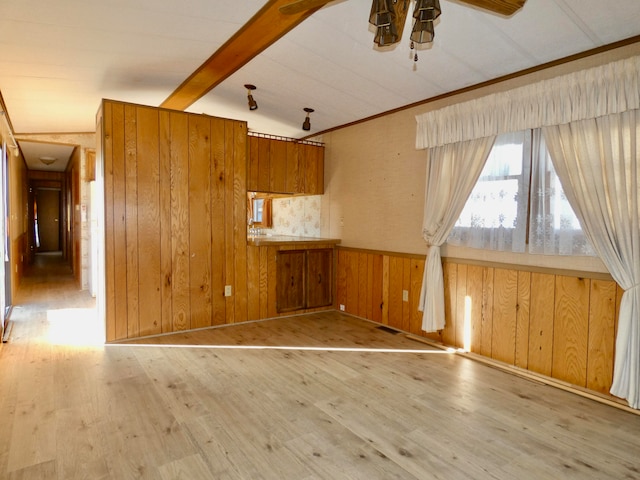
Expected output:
(320, 396)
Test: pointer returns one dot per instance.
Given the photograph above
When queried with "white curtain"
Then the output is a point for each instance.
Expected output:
(554, 227)
(597, 162)
(452, 171)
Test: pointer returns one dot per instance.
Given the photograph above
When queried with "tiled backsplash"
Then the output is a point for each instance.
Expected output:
(297, 216)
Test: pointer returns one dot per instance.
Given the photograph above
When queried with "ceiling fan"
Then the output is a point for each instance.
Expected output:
(388, 16)
(502, 7)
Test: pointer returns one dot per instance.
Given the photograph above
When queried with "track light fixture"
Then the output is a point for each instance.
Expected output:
(252, 103)
(306, 125)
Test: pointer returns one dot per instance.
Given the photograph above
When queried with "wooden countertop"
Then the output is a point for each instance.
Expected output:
(269, 240)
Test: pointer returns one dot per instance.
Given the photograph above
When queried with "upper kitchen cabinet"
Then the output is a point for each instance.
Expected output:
(289, 166)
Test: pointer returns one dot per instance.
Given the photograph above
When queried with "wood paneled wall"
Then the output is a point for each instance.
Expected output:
(175, 220)
(556, 324)
(18, 219)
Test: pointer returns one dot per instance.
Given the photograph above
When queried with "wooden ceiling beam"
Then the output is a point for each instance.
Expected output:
(503, 7)
(262, 30)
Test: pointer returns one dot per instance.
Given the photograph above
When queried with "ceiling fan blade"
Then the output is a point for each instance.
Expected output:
(298, 6)
(503, 7)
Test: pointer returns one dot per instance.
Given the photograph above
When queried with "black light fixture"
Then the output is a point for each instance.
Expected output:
(306, 125)
(252, 103)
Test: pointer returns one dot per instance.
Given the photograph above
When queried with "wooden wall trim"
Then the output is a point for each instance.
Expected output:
(483, 263)
(531, 268)
(383, 252)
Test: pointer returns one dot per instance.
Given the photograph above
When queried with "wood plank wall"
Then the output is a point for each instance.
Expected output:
(553, 323)
(175, 226)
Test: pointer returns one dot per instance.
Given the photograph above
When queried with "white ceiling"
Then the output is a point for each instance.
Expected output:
(59, 59)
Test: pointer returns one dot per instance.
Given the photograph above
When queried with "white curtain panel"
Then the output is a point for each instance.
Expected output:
(554, 227)
(452, 172)
(597, 162)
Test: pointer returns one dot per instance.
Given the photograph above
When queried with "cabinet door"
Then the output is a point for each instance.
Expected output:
(293, 184)
(319, 277)
(264, 172)
(312, 157)
(278, 166)
(253, 163)
(290, 281)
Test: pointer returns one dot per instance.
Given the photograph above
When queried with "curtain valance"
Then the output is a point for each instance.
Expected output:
(591, 93)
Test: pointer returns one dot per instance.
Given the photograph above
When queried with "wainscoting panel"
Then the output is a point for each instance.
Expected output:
(560, 324)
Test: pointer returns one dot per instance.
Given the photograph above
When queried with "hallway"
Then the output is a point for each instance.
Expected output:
(50, 306)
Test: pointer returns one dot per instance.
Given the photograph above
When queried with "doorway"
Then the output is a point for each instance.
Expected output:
(47, 213)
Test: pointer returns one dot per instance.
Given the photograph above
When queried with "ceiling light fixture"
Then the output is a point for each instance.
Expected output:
(388, 17)
(48, 160)
(306, 125)
(252, 103)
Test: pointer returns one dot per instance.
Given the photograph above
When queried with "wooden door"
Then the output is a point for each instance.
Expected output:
(319, 277)
(290, 280)
(48, 204)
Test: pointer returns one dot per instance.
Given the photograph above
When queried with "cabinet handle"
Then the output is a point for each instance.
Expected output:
(292, 281)
(319, 278)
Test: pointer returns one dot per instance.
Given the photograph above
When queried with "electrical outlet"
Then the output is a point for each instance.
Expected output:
(341, 308)
(405, 295)
(227, 290)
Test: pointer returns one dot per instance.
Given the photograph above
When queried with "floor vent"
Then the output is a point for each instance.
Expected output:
(388, 330)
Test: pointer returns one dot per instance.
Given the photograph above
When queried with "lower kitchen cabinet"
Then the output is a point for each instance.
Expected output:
(304, 279)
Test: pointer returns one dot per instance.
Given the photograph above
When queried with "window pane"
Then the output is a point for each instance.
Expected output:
(495, 214)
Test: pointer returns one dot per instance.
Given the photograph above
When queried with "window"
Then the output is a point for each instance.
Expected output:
(518, 202)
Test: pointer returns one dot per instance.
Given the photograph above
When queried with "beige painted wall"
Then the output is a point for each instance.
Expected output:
(374, 179)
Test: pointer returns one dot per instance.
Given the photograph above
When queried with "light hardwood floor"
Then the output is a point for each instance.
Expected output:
(323, 396)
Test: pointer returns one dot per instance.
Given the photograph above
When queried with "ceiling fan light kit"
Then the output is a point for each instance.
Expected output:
(388, 16)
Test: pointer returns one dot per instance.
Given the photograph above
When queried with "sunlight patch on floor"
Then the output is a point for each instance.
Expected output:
(447, 351)
(75, 326)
